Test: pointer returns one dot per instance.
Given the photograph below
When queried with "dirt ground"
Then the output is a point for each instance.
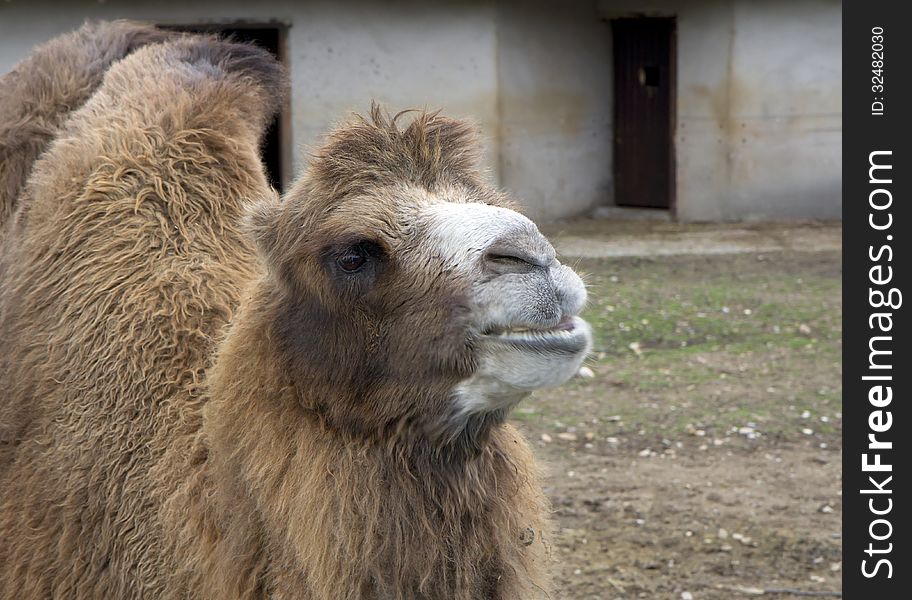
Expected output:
(701, 458)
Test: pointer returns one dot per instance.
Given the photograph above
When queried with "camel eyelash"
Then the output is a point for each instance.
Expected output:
(366, 248)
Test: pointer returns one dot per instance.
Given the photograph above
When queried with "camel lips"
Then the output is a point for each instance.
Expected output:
(565, 325)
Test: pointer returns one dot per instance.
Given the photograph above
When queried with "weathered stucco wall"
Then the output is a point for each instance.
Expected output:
(758, 90)
(785, 133)
(704, 121)
(400, 54)
(759, 106)
(555, 71)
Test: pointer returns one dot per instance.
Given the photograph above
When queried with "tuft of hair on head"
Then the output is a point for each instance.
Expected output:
(428, 151)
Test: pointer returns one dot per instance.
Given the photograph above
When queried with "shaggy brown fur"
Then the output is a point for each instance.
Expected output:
(41, 91)
(347, 383)
(124, 264)
(302, 454)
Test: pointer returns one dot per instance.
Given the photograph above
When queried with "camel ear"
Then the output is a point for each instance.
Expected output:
(261, 223)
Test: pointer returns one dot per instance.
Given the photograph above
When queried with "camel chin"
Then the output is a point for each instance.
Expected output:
(516, 362)
(531, 359)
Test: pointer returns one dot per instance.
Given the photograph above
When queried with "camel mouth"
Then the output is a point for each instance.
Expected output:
(571, 335)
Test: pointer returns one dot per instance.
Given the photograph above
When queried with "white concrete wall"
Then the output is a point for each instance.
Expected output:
(785, 134)
(702, 148)
(555, 73)
(401, 54)
(758, 95)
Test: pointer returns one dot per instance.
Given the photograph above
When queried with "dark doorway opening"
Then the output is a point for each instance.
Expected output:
(275, 150)
(644, 98)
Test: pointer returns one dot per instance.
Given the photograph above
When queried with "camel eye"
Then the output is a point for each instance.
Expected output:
(362, 256)
(352, 260)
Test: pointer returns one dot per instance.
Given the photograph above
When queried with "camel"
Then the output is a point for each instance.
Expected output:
(212, 392)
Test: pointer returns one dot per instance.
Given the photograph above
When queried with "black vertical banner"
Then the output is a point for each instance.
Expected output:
(877, 169)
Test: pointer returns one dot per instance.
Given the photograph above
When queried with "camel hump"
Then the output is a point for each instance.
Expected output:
(136, 34)
(223, 57)
(236, 58)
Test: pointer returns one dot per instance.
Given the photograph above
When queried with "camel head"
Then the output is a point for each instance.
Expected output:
(410, 298)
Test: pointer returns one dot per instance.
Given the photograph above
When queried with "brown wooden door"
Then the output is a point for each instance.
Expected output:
(643, 112)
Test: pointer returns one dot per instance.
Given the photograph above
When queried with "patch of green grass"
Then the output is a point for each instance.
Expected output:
(651, 306)
(707, 343)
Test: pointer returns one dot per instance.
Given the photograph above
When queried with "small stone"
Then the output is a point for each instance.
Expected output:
(635, 346)
(803, 328)
(589, 436)
(577, 571)
(645, 452)
(567, 436)
(807, 431)
(826, 509)
(612, 440)
(585, 373)
(817, 579)
(750, 591)
(806, 414)
(687, 596)
(723, 534)
(546, 438)
(836, 566)
(725, 548)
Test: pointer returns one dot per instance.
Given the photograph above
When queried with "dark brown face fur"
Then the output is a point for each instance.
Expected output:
(377, 343)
